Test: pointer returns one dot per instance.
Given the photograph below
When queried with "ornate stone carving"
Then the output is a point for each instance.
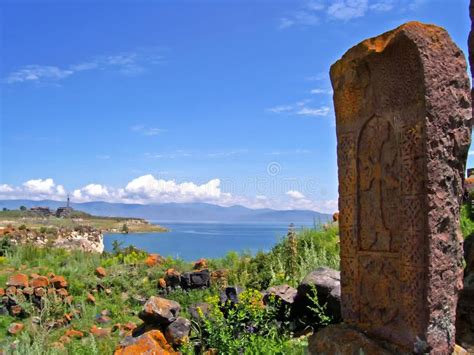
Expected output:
(403, 131)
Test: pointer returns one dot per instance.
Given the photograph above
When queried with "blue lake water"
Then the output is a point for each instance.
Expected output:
(191, 241)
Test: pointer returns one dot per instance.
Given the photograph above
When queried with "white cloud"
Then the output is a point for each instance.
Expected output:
(36, 73)
(301, 109)
(312, 13)
(295, 194)
(148, 189)
(320, 91)
(147, 131)
(128, 63)
(348, 9)
(382, 5)
(471, 152)
(315, 112)
(37, 189)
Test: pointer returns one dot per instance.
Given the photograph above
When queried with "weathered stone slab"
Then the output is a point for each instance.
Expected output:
(403, 126)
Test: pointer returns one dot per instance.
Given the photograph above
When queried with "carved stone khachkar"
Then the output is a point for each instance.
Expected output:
(403, 118)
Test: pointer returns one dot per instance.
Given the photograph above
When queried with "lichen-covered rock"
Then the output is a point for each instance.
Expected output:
(154, 259)
(18, 280)
(160, 311)
(152, 342)
(177, 333)
(100, 272)
(39, 281)
(59, 282)
(15, 328)
(200, 264)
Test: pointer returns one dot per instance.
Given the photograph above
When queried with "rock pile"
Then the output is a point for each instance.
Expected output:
(35, 288)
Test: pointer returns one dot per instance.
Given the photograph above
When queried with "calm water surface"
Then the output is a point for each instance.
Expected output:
(191, 241)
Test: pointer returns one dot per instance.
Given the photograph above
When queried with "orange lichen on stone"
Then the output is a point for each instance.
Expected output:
(152, 342)
(18, 280)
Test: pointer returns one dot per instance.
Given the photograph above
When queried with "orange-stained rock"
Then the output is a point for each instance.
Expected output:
(40, 281)
(51, 275)
(100, 272)
(15, 328)
(90, 298)
(161, 283)
(59, 282)
(18, 280)
(200, 264)
(158, 310)
(154, 259)
(152, 342)
(100, 332)
(335, 217)
(2, 292)
(72, 333)
(172, 278)
(51, 291)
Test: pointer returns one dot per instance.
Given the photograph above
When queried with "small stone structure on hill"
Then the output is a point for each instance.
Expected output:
(403, 118)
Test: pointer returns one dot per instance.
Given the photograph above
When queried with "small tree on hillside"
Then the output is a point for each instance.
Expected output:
(23, 208)
(125, 228)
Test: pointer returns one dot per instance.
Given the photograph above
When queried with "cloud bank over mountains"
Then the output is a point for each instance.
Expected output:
(147, 189)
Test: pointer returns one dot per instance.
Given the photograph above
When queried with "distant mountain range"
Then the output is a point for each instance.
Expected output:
(182, 212)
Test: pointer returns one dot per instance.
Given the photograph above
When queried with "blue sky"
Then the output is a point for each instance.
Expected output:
(227, 102)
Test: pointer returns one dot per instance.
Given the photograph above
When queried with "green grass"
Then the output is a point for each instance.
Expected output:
(129, 279)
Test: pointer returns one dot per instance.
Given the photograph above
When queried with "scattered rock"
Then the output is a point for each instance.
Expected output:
(161, 283)
(200, 264)
(65, 339)
(72, 333)
(154, 259)
(230, 295)
(28, 291)
(40, 292)
(335, 217)
(196, 280)
(39, 281)
(159, 310)
(2, 292)
(283, 293)
(327, 283)
(100, 332)
(100, 272)
(204, 310)
(90, 298)
(59, 282)
(152, 342)
(18, 280)
(177, 333)
(173, 278)
(15, 328)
